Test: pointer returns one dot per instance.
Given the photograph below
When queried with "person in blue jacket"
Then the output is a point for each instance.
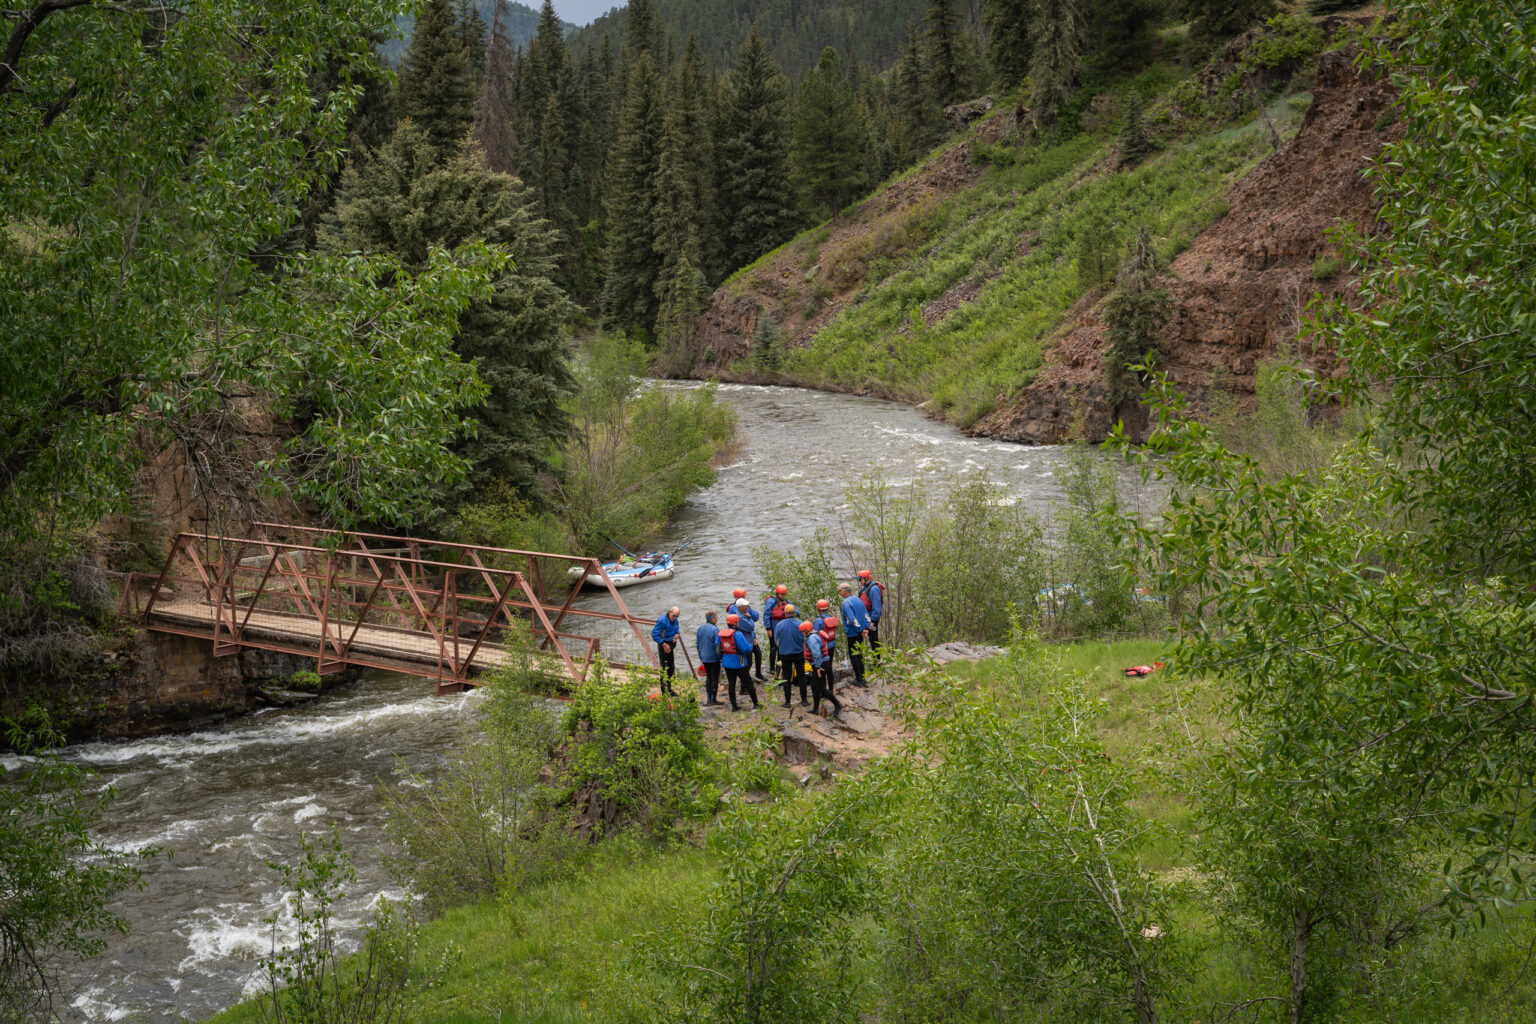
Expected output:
(707, 642)
(749, 619)
(856, 626)
(665, 633)
(791, 645)
(735, 660)
(821, 670)
(872, 593)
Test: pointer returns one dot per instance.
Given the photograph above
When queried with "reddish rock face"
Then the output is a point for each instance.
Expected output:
(1240, 292)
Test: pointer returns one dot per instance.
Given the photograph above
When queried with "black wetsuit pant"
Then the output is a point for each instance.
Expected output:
(712, 681)
(757, 662)
(740, 677)
(664, 654)
(793, 668)
(856, 659)
(874, 636)
(821, 689)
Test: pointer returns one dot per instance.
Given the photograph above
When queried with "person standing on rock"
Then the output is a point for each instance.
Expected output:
(820, 656)
(734, 659)
(773, 613)
(743, 608)
(707, 642)
(827, 627)
(791, 647)
(856, 626)
(665, 633)
(872, 594)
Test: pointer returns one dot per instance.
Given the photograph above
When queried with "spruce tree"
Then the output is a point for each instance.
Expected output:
(631, 261)
(434, 79)
(943, 45)
(1008, 44)
(1135, 141)
(685, 187)
(409, 201)
(916, 115)
(829, 139)
(472, 36)
(1136, 314)
(494, 110)
(757, 203)
(1055, 57)
(1212, 22)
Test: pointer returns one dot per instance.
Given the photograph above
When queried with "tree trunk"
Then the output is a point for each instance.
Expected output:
(1301, 930)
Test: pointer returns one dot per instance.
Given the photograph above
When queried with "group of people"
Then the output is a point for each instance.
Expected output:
(801, 651)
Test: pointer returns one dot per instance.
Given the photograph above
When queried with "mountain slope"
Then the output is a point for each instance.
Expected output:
(961, 286)
(521, 23)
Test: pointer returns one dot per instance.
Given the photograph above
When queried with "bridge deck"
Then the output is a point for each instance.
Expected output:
(380, 646)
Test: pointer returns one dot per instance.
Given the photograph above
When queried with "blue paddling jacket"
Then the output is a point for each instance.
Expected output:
(666, 630)
(855, 617)
(787, 635)
(707, 642)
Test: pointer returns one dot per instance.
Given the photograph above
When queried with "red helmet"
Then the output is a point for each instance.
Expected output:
(739, 592)
(829, 623)
(731, 620)
(862, 574)
(822, 605)
(781, 590)
(806, 627)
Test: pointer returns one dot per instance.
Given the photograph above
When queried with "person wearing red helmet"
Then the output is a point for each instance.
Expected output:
(734, 659)
(773, 614)
(872, 594)
(749, 619)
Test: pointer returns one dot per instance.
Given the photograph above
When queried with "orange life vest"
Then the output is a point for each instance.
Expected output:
(777, 611)
(728, 641)
(869, 605)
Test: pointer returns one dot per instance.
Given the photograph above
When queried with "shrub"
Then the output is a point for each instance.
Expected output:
(311, 981)
(481, 823)
(809, 575)
(305, 680)
(1326, 268)
(636, 758)
(1094, 590)
(503, 519)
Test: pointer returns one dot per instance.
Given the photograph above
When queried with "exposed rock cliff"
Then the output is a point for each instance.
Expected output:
(1241, 289)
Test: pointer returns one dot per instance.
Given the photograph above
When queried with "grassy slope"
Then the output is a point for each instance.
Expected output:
(994, 342)
(577, 949)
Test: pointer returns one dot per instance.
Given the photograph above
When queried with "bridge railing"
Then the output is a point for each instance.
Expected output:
(440, 608)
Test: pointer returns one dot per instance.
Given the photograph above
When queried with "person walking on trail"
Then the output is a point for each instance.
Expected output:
(734, 659)
(791, 644)
(707, 642)
(872, 594)
(773, 613)
(749, 617)
(820, 656)
(856, 627)
(665, 633)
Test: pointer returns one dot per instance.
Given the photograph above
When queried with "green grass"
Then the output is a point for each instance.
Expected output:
(586, 946)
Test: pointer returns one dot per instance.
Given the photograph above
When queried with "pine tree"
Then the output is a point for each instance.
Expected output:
(630, 260)
(550, 169)
(1008, 44)
(829, 139)
(1055, 57)
(1135, 141)
(494, 110)
(684, 297)
(434, 79)
(408, 201)
(757, 204)
(1136, 314)
(942, 40)
(472, 37)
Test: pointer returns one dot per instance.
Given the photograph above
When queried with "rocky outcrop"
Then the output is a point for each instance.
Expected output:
(158, 683)
(1241, 290)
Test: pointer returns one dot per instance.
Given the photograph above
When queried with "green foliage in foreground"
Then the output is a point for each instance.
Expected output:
(1048, 196)
(57, 881)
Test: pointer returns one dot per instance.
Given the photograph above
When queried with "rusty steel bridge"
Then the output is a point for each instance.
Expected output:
(425, 607)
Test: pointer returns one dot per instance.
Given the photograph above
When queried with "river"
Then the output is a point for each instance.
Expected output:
(223, 802)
